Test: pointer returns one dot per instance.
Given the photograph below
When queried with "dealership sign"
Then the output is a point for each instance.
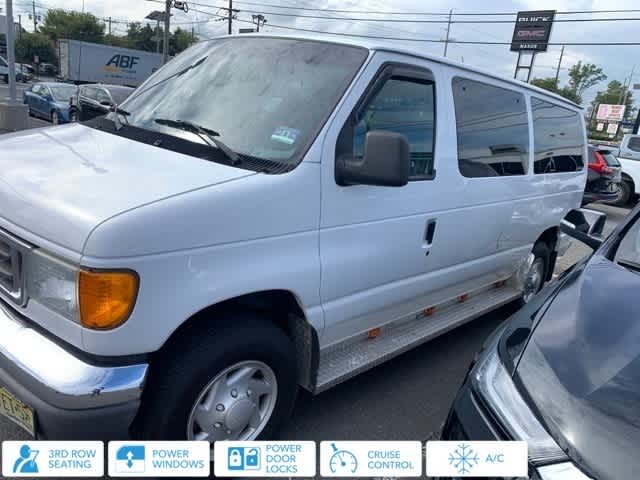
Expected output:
(532, 31)
(610, 113)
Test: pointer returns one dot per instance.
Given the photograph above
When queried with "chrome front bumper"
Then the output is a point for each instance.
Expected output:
(56, 383)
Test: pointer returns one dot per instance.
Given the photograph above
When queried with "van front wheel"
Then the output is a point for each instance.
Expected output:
(231, 382)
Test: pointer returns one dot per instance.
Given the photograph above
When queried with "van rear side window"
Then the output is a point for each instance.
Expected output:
(492, 129)
(634, 144)
(558, 138)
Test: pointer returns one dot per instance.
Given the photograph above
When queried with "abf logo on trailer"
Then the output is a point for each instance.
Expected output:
(119, 61)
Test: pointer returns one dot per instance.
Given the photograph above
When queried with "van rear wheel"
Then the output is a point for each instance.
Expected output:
(231, 382)
(537, 273)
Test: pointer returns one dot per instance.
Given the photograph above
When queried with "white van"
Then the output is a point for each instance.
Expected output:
(629, 158)
(265, 213)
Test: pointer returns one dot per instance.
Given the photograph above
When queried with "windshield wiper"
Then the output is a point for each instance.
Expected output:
(173, 75)
(206, 134)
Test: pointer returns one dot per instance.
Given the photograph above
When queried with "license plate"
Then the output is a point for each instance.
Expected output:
(18, 412)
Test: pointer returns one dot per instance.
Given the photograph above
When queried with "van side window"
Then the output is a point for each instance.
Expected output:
(558, 138)
(403, 105)
(492, 129)
(634, 144)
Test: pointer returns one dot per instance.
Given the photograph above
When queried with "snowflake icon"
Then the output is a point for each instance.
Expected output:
(463, 458)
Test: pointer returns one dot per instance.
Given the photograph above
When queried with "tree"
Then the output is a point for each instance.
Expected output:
(116, 40)
(59, 24)
(180, 40)
(143, 38)
(582, 77)
(550, 83)
(31, 44)
(614, 95)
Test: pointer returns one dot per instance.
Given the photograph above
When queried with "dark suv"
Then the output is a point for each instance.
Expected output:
(603, 181)
(95, 100)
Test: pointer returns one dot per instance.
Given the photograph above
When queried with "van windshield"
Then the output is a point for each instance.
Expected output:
(264, 97)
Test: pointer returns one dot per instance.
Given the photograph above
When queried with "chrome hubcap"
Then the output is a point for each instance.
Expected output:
(236, 405)
(534, 279)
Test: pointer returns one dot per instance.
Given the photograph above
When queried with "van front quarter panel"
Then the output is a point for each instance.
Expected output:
(198, 249)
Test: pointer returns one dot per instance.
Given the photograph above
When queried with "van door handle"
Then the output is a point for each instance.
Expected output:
(429, 233)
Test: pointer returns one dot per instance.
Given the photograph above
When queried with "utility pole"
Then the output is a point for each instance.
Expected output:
(559, 63)
(167, 16)
(158, 36)
(626, 87)
(446, 40)
(19, 26)
(35, 20)
(230, 17)
(11, 52)
(109, 26)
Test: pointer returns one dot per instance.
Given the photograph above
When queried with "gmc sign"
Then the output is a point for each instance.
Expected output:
(532, 31)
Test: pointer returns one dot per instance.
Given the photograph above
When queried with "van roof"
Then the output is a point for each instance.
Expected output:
(374, 44)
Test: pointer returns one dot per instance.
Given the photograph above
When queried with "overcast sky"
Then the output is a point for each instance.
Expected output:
(617, 61)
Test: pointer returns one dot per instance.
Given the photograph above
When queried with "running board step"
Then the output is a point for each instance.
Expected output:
(341, 362)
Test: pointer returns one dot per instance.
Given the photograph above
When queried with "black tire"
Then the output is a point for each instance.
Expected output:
(624, 197)
(193, 359)
(542, 253)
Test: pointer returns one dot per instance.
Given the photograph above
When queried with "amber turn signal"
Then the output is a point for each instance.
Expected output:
(106, 298)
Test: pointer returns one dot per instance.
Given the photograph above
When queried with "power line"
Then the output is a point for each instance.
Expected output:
(270, 5)
(422, 40)
(402, 20)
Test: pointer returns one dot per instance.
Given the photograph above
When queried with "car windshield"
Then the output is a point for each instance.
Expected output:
(628, 253)
(265, 97)
(63, 93)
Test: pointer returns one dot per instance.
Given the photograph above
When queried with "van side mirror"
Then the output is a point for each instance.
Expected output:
(385, 162)
(585, 225)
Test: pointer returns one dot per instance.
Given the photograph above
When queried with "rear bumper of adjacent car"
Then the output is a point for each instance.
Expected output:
(591, 197)
(71, 397)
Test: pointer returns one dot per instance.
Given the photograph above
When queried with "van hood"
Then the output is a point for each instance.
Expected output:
(62, 182)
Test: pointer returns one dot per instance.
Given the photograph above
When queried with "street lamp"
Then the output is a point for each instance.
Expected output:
(158, 16)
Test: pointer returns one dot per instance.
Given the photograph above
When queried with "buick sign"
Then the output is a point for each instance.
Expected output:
(532, 31)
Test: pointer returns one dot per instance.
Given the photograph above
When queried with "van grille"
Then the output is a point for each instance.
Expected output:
(10, 269)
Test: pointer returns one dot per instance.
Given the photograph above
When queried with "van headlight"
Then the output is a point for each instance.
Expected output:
(498, 393)
(100, 299)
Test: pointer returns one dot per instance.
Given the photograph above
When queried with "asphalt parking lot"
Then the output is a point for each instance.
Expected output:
(405, 399)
